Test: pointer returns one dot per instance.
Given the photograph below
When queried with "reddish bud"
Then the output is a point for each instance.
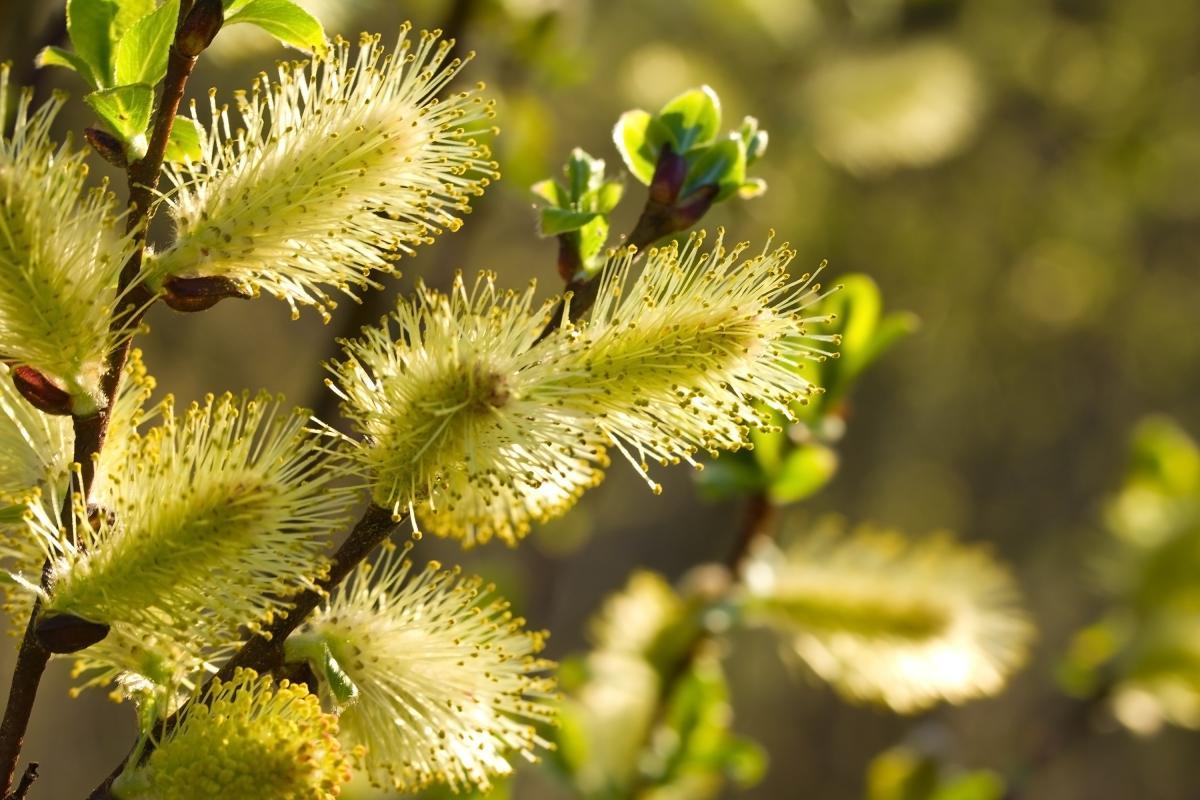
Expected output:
(201, 294)
(569, 265)
(669, 174)
(41, 392)
(67, 633)
(200, 27)
(108, 146)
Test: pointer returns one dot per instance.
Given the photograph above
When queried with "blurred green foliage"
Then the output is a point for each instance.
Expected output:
(1144, 655)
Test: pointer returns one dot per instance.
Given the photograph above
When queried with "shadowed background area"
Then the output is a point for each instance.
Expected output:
(1022, 176)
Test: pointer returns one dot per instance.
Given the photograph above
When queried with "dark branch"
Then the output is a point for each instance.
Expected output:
(90, 431)
(27, 779)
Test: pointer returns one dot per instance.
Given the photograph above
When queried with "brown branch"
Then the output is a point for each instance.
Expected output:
(90, 431)
(263, 652)
(27, 779)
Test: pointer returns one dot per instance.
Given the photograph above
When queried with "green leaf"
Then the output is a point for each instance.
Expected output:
(563, 220)
(754, 187)
(857, 306)
(693, 118)
(126, 110)
(184, 142)
(722, 165)
(283, 19)
(769, 445)
(89, 25)
(730, 475)
(592, 238)
(608, 195)
(142, 50)
(129, 12)
(341, 685)
(805, 471)
(550, 191)
(58, 57)
(584, 174)
(639, 137)
(754, 139)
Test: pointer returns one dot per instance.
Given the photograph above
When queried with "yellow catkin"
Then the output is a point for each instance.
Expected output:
(449, 683)
(335, 170)
(246, 738)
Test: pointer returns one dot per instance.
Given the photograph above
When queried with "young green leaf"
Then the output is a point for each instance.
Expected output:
(126, 109)
(592, 237)
(693, 118)
(561, 220)
(804, 472)
(89, 25)
(549, 191)
(722, 165)
(638, 137)
(129, 12)
(752, 188)
(584, 173)
(184, 142)
(731, 475)
(283, 19)
(141, 55)
(608, 195)
(58, 57)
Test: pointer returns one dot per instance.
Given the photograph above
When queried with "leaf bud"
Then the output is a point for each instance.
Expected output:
(200, 27)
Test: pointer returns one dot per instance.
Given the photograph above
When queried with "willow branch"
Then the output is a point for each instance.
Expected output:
(90, 431)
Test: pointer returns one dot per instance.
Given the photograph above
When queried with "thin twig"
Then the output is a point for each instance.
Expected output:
(90, 431)
(263, 652)
(581, 292)
(27, 779)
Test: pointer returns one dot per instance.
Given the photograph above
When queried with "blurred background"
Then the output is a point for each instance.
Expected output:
(1024, 176)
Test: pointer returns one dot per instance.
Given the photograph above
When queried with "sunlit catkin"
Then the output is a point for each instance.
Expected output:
(694, 351)
(35, 468)
(335, 170)
(448, 683)
(61, 251)
(462, 417)
(886, 619)
(235, 494)
(245, 738)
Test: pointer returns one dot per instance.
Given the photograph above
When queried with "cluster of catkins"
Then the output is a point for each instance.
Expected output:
(469, 421)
